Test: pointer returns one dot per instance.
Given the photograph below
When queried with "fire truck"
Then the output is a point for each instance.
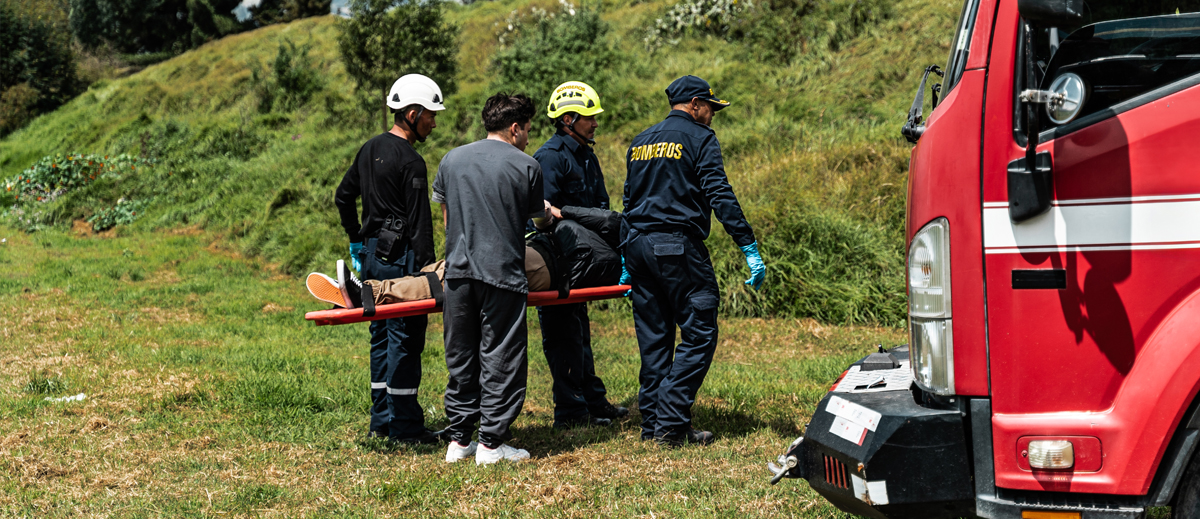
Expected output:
(1053, 273)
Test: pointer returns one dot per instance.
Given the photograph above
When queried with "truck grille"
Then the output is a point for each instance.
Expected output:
(836, 473)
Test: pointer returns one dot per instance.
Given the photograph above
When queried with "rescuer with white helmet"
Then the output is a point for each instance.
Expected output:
(394, 239)
(411, 98)
(571, 176)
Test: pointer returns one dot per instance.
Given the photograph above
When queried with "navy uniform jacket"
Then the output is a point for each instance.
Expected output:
(571, 173)
(677, 179)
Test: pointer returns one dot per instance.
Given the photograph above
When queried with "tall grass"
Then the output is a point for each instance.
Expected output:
(811, 141)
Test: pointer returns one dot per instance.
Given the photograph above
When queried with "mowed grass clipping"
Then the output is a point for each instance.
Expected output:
(208, 394)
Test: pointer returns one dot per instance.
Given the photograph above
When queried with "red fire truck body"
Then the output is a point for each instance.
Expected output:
(1074, 322)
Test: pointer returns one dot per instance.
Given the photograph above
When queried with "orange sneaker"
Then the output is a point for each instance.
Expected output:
(325, 288)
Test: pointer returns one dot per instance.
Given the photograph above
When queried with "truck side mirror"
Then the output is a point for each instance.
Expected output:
(914, 127)
(1050, 13)
(1031, 180)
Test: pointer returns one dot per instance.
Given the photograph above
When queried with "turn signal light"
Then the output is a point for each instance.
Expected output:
(1051, 454)
(1031, 514)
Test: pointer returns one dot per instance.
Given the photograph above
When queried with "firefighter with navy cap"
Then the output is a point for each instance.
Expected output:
(571, 176)
(394, 239)
(676, 180)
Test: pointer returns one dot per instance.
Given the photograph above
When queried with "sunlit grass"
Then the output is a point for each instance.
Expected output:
(207, 393)
(812, 146)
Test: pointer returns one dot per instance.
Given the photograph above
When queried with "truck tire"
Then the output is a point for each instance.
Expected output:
(1187, 497)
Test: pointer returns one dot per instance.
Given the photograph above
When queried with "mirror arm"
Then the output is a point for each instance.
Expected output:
(913, 129)
(1032, 121)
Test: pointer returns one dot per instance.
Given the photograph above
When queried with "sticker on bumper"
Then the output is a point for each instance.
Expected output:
(870, 492)
(854, 412)
(852, 420)
(849, 431)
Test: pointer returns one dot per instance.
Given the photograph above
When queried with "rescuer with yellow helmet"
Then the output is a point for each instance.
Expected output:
(571, 176)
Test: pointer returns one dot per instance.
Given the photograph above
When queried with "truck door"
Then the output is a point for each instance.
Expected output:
(1075, 293)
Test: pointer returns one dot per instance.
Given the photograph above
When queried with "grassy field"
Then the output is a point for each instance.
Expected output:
(811, 142)
(209, 395)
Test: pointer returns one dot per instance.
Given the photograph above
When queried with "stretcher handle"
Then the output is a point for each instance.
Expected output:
(430, 306)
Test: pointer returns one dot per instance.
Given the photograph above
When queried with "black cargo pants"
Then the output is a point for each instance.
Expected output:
(673, 284)
(567, 344)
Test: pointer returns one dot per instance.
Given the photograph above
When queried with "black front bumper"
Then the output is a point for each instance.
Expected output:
(914, 464)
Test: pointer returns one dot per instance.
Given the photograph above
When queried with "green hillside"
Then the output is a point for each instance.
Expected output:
(811, 142)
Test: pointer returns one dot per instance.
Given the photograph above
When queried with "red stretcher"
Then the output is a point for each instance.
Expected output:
(429, 306)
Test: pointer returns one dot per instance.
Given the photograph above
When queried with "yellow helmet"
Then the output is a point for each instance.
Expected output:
(573, 96)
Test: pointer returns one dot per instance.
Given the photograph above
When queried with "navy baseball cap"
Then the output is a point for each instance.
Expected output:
(685, 88)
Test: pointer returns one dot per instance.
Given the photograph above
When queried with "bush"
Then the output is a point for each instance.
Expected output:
(125, 212)
(820, 263)
(383, 40)
(543, 49)
(283, 11)
(787, 30)
(152, 26)
(705, 16)
(37, 69)
(54, 176)
(18, 105)
(295, 80)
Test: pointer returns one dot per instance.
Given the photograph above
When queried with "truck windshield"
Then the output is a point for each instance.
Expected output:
(1122, 49)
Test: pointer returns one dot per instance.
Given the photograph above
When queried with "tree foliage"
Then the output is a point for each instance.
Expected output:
(282, 11)
(548, 49)
(383, 40)
(293, 82)
(151, 26)
(37, 68)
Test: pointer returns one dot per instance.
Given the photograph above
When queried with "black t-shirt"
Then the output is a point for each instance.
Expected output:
(390, 176)
(489, 188)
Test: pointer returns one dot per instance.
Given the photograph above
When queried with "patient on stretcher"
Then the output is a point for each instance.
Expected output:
(576, 251)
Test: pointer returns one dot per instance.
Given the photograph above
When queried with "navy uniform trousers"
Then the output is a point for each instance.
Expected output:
(567, 343)
(673, 285)
(396, 347)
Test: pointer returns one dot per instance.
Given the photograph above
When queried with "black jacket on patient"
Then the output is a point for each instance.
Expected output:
(587, 245)
(605, 223)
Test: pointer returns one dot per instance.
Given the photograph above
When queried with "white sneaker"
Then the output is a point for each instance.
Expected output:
(351, 288)
(456, 452)
(486, 456)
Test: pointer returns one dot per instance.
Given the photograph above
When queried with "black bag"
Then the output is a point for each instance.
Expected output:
(588, 258)
(391, 239)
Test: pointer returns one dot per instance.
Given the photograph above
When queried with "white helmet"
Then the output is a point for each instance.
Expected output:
(415, 89)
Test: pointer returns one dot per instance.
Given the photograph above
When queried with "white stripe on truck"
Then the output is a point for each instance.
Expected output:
(1097, 224)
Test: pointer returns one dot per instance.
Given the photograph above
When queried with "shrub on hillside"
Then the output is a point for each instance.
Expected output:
(56, 175)
(714, 17)
(61, 188)
(786, 30)
(293, 82)
(123, 213)
(822, 264)
(152, 26)
(384, 39)
(543, 49)
(268, 12)
(37, 68)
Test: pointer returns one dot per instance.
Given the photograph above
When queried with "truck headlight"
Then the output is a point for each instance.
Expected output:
(931, 338)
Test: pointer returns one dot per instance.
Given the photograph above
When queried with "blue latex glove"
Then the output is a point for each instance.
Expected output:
(758, 270)
(625, 277)
(356, 256)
